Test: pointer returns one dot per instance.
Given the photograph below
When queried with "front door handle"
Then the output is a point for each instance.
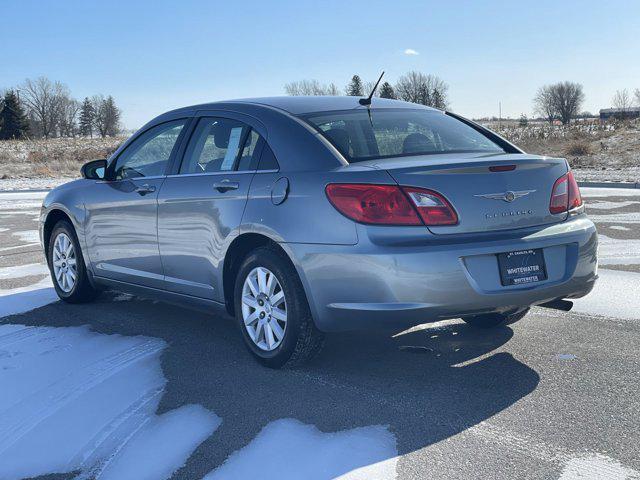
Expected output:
(146, 188)
(225, 185)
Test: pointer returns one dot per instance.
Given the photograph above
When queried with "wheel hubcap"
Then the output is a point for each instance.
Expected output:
(264, 308)
(64, 263)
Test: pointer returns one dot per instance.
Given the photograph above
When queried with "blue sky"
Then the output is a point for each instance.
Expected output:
(157, 55)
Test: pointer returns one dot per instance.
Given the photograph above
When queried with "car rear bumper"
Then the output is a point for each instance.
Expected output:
(384, 281)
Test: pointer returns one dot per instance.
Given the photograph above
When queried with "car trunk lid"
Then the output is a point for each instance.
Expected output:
(489, 192)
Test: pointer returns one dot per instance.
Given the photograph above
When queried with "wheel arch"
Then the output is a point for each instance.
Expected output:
(53, 217)
(241, 246)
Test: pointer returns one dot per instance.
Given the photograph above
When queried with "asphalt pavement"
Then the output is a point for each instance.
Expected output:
(554, 394)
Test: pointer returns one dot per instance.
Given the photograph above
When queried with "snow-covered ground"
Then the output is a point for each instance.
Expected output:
(8, 184)
(75, 400)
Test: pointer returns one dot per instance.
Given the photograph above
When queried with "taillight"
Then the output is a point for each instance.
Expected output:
(390, 204)
(433, 208)
(565, 195)
(377, 204)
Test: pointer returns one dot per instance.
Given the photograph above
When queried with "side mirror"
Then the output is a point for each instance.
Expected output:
(94, 170)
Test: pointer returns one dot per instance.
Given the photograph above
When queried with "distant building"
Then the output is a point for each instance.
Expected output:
(618, 113)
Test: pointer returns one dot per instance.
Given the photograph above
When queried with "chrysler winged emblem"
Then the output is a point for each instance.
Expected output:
(506, 196)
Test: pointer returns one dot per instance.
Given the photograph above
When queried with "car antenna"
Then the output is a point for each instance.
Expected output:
(367, 101)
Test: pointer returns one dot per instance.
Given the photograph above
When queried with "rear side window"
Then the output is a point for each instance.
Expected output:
(223, 144)
(361, 135)
(215, 146)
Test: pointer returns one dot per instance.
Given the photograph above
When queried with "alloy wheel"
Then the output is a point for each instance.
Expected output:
(264, 309)
(64, 263)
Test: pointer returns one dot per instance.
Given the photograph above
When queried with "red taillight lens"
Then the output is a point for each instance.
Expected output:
(565, 195)
(433, 208)
(391, 205)
(377, 204)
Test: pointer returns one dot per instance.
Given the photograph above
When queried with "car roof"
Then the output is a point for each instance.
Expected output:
(300, 105)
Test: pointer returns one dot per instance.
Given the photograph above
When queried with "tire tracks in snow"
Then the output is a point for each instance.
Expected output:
(21, 418)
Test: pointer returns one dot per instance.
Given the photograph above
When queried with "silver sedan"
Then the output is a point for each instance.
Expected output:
(304, 215)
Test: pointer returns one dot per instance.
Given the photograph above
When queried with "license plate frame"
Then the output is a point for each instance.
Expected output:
(522, 267)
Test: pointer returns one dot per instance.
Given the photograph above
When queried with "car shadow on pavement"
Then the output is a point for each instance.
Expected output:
(427, 385)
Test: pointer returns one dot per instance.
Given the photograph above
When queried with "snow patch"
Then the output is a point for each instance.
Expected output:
(22, 195)
(596, 467)
(591, 192)
(29, 236)
(20, 271)
(619, 227)
(615, 294)
(15, 247)
(606, 205)
(288, 449)
(614, 251)
(23, 299)
(73, 399)
(616, 218)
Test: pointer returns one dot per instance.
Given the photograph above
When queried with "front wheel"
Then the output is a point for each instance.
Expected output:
(67, 267)
(492, 320)
(272, 311)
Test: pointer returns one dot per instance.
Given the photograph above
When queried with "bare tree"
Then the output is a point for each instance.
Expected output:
(559, 101)
(44, 99)
(418, 87)
(622, 100)
(637, 95)
(543, 104)
(368, 86)
(569, 97)
(310, 87)
(67, 123)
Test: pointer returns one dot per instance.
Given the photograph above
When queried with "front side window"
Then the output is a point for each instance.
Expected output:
(217, 144)
(361, 135)
(148, 155)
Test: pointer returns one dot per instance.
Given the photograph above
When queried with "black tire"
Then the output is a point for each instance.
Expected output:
(302, 340)
(82, 291)
(493, 320)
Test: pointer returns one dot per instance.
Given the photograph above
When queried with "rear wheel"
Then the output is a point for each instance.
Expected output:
(492, 320)
(67, 267)
(272, 311)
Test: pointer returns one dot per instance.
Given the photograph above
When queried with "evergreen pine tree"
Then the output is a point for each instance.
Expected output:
(354, 89)
(87, 118)
(13, 121)
(386, 91)
(113, 116)
(524, 121)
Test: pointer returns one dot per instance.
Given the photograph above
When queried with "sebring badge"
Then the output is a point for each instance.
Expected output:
(506, 196)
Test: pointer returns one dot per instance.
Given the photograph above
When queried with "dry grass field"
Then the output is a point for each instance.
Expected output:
(609, 152)
(52, 158)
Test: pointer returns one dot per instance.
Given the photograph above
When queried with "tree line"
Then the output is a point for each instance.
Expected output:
(563, 101)
(624, 101)
(416, 87)
(42, 108)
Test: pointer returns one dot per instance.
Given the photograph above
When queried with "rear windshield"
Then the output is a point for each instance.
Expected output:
(393, 133)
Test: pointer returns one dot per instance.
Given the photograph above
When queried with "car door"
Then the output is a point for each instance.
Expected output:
(200, 206)
(122, 211)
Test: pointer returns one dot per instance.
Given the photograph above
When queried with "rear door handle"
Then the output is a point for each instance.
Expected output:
(146, 188)
(226, 185)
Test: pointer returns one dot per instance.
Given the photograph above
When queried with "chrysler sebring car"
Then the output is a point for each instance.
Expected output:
(306, 215)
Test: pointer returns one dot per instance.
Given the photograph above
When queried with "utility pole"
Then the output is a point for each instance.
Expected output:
(499, 114)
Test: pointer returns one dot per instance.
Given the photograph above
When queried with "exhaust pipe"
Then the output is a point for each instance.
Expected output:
(559, 304)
